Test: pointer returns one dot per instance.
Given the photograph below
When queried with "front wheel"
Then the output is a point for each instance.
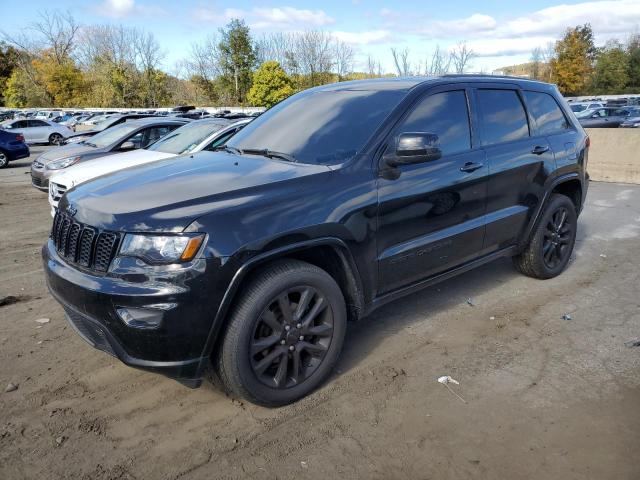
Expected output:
(550, 247)
(284, 335)
(4, 160)
(55, 139)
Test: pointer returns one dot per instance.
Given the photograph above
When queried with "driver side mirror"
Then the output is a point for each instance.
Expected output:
(128, 145)
(414, 147)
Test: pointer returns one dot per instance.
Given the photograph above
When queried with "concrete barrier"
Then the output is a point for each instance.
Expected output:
(614, 155)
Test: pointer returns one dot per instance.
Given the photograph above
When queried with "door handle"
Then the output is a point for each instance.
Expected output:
(540, 149)
(471, 167)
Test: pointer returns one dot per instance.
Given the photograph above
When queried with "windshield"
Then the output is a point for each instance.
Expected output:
(578, 108)
(186, 138)
(319, 127)
(103, 124)
(111, 135)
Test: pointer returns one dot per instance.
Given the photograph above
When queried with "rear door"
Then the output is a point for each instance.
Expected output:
(431, 215)
(519, 163)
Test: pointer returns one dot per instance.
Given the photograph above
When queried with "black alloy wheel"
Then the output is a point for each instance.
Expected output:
(291, 338)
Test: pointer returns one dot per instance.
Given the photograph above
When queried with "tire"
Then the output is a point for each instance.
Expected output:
(552, 241)
(256, 335)
(55, 139)
(4, 160)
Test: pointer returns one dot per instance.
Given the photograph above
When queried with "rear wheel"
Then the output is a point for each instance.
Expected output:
(284, 335)
(55, 139)
(4, 160)
(549, 250)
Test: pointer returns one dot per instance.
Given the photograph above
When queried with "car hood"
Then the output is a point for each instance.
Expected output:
(168, 195)
(103, 165)
(65, 151)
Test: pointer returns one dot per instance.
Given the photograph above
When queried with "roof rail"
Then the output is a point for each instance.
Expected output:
(488, 75)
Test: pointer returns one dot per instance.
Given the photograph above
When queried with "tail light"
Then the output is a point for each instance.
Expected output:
(20, 138)
(587, 143)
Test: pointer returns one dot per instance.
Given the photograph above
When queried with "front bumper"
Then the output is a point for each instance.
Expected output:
(176, 348)
(40, 178)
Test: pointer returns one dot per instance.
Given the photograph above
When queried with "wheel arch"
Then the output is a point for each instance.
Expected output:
(330, 254)
(569, 185)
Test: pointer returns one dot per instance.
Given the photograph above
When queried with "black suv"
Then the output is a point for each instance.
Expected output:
(335, 201)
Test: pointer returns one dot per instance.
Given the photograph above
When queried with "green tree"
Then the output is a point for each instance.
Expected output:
(270, 85)
(237, 58)
(21, 92)
(633, 53)
(611, 73)
(573, 63)
(8, 60)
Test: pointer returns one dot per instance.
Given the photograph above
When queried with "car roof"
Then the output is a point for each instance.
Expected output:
(164, 120)
(408, 83)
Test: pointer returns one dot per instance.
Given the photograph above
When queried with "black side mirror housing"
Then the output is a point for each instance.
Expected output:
(415, 147)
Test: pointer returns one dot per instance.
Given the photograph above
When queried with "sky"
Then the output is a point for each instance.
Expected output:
(500, 33)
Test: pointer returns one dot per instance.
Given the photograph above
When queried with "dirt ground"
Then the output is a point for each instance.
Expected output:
(545, 398)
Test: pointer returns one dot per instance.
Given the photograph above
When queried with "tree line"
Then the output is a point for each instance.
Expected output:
(578, 67)
(56, 62)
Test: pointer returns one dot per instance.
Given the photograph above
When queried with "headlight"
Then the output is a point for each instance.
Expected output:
(62, 163)
(636, 124)
(161, 248)
(76, 139)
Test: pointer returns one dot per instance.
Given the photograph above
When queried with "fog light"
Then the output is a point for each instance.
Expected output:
(141, 318)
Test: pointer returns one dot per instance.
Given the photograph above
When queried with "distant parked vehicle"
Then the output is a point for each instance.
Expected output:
(603, 117)
(207, 134)
(577, 107)
(108, 122)
(48, 114)
(38, 131)
(121, 138)
(12, 147)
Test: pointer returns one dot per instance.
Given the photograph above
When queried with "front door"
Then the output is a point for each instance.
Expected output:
(431, 215)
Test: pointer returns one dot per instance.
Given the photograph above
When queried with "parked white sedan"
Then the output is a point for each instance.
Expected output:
(38, 131)
(199, 135)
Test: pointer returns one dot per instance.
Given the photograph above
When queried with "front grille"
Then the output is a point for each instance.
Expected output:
(89, 331)
(83, 245)
(56, 191)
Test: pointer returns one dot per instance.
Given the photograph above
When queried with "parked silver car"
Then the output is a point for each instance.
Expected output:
(38, 131)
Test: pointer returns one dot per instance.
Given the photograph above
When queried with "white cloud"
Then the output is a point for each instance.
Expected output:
(489, 37)
(498, 47)
(363, 38)
(123, 8)
(276, 17)
(476, 23)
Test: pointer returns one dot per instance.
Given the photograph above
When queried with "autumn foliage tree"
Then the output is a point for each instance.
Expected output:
(573, 62)
(270, 85)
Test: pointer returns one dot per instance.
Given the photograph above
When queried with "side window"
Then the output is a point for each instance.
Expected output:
(546, 112)
(220, 141)
(37, 123)
(19, 124)
(444, 114)
(502, 116)
(154, 134)
(620, 112)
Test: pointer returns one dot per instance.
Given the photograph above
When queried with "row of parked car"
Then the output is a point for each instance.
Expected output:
(597, 114)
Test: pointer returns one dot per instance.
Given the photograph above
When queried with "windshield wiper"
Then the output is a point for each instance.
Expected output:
(234, 150)
(265, 152)
(90, 144)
